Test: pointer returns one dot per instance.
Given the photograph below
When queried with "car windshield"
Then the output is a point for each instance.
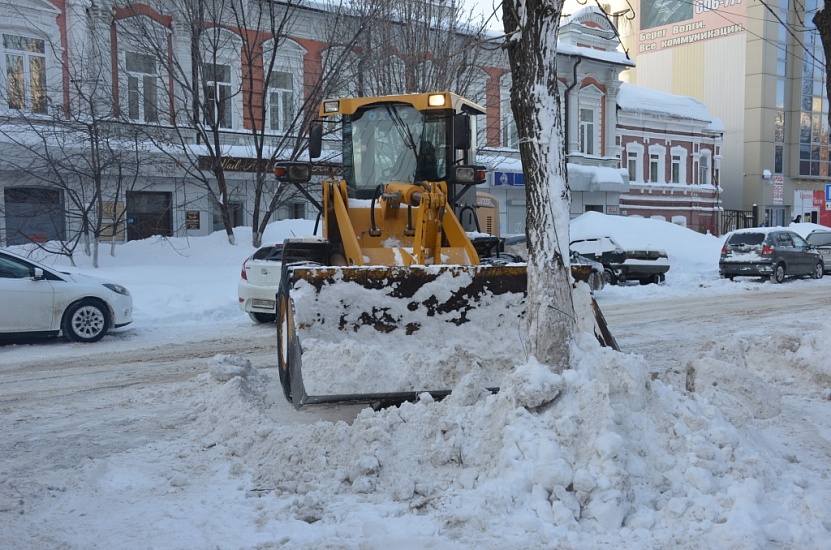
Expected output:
(820, 239)
(748, 239)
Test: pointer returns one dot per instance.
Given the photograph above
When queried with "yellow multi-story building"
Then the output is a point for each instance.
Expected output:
(757, 66)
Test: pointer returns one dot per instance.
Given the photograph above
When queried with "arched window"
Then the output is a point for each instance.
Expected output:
(590, 121)
(220, 78)
(283, 84)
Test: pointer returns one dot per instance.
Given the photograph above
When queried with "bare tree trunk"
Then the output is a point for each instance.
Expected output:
(532, 27)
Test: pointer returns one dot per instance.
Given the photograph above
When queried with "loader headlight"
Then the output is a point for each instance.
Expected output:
(293, 172)
(469, 174)
(436, 100)
(331, 106)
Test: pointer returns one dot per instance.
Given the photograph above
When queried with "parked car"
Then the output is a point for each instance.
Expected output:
(40, 301)
(582, 268)
(259, 282)
(642, 264)
(821, 238)
(773, 252)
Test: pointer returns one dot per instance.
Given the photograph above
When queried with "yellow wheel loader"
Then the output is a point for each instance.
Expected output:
(403, 293)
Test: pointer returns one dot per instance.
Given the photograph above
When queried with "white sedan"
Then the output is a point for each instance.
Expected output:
(259, 283)
(40, 301)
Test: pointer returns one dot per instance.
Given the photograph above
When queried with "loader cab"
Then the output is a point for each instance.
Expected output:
(408, 139)
(394, 142)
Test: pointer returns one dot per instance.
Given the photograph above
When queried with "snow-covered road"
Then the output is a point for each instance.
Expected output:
(63, 402)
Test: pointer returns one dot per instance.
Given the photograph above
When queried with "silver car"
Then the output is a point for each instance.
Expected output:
(821, 239)
(40, 301)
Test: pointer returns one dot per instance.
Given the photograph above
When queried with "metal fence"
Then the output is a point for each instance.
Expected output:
(736, 219)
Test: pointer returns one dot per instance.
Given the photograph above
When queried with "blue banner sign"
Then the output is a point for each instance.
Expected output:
(510, 178)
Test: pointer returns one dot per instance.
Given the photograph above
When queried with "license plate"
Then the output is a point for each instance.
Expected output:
(267, 304)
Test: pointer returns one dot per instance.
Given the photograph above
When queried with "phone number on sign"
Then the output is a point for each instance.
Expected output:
(703, 6)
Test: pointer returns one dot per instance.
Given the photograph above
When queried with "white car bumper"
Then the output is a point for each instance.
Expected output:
(257, 299)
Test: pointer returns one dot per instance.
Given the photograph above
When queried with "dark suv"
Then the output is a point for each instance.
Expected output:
(772, 252)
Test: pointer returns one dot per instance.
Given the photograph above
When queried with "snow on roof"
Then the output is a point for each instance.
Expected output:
(617, 58)
(593, 174)
(596, 174)
(637, 99)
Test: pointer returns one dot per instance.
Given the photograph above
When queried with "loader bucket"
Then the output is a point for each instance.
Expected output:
(384, 335)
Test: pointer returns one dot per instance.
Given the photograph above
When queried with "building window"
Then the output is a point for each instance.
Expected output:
(280, 101)
(657, 168)
(297, 210)
(510, 134)
(654, 162)
(632, 165)
(676, 169)
(34, 214)
(704, 170)
(142, 87)
(587, 131)
(634, 162)
(25, 73)
(234, 214)
(218, 95)
(778, 159)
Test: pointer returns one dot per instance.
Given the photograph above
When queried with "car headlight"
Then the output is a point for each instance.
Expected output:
(117, 288)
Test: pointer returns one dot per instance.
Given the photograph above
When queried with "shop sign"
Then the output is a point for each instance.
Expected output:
(508, 178)
(778, 193)
(192, 219)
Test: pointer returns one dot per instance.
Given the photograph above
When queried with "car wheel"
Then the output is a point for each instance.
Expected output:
(609, 277)
(86, 321)
(263, 318)
(778, 274)
(818, 271)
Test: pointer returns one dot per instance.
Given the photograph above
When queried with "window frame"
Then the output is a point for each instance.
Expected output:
(658, 175)
(508, 131)
(586, 131)
(286, 100)
(141, 97)
(679, 153)
(27, 79)
(223, 108)
(287, 59)
(638, 150)
(590, 98)
(706, 169)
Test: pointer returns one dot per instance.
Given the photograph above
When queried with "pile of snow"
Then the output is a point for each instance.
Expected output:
(600, 456)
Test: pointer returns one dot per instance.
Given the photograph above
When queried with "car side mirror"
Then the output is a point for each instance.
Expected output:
(38, 274)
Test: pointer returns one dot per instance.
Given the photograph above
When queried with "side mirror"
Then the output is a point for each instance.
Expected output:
(461, 132)
(315, 139)
(38, 274)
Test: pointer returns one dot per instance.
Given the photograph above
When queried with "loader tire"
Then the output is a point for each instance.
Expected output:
(284, 341)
